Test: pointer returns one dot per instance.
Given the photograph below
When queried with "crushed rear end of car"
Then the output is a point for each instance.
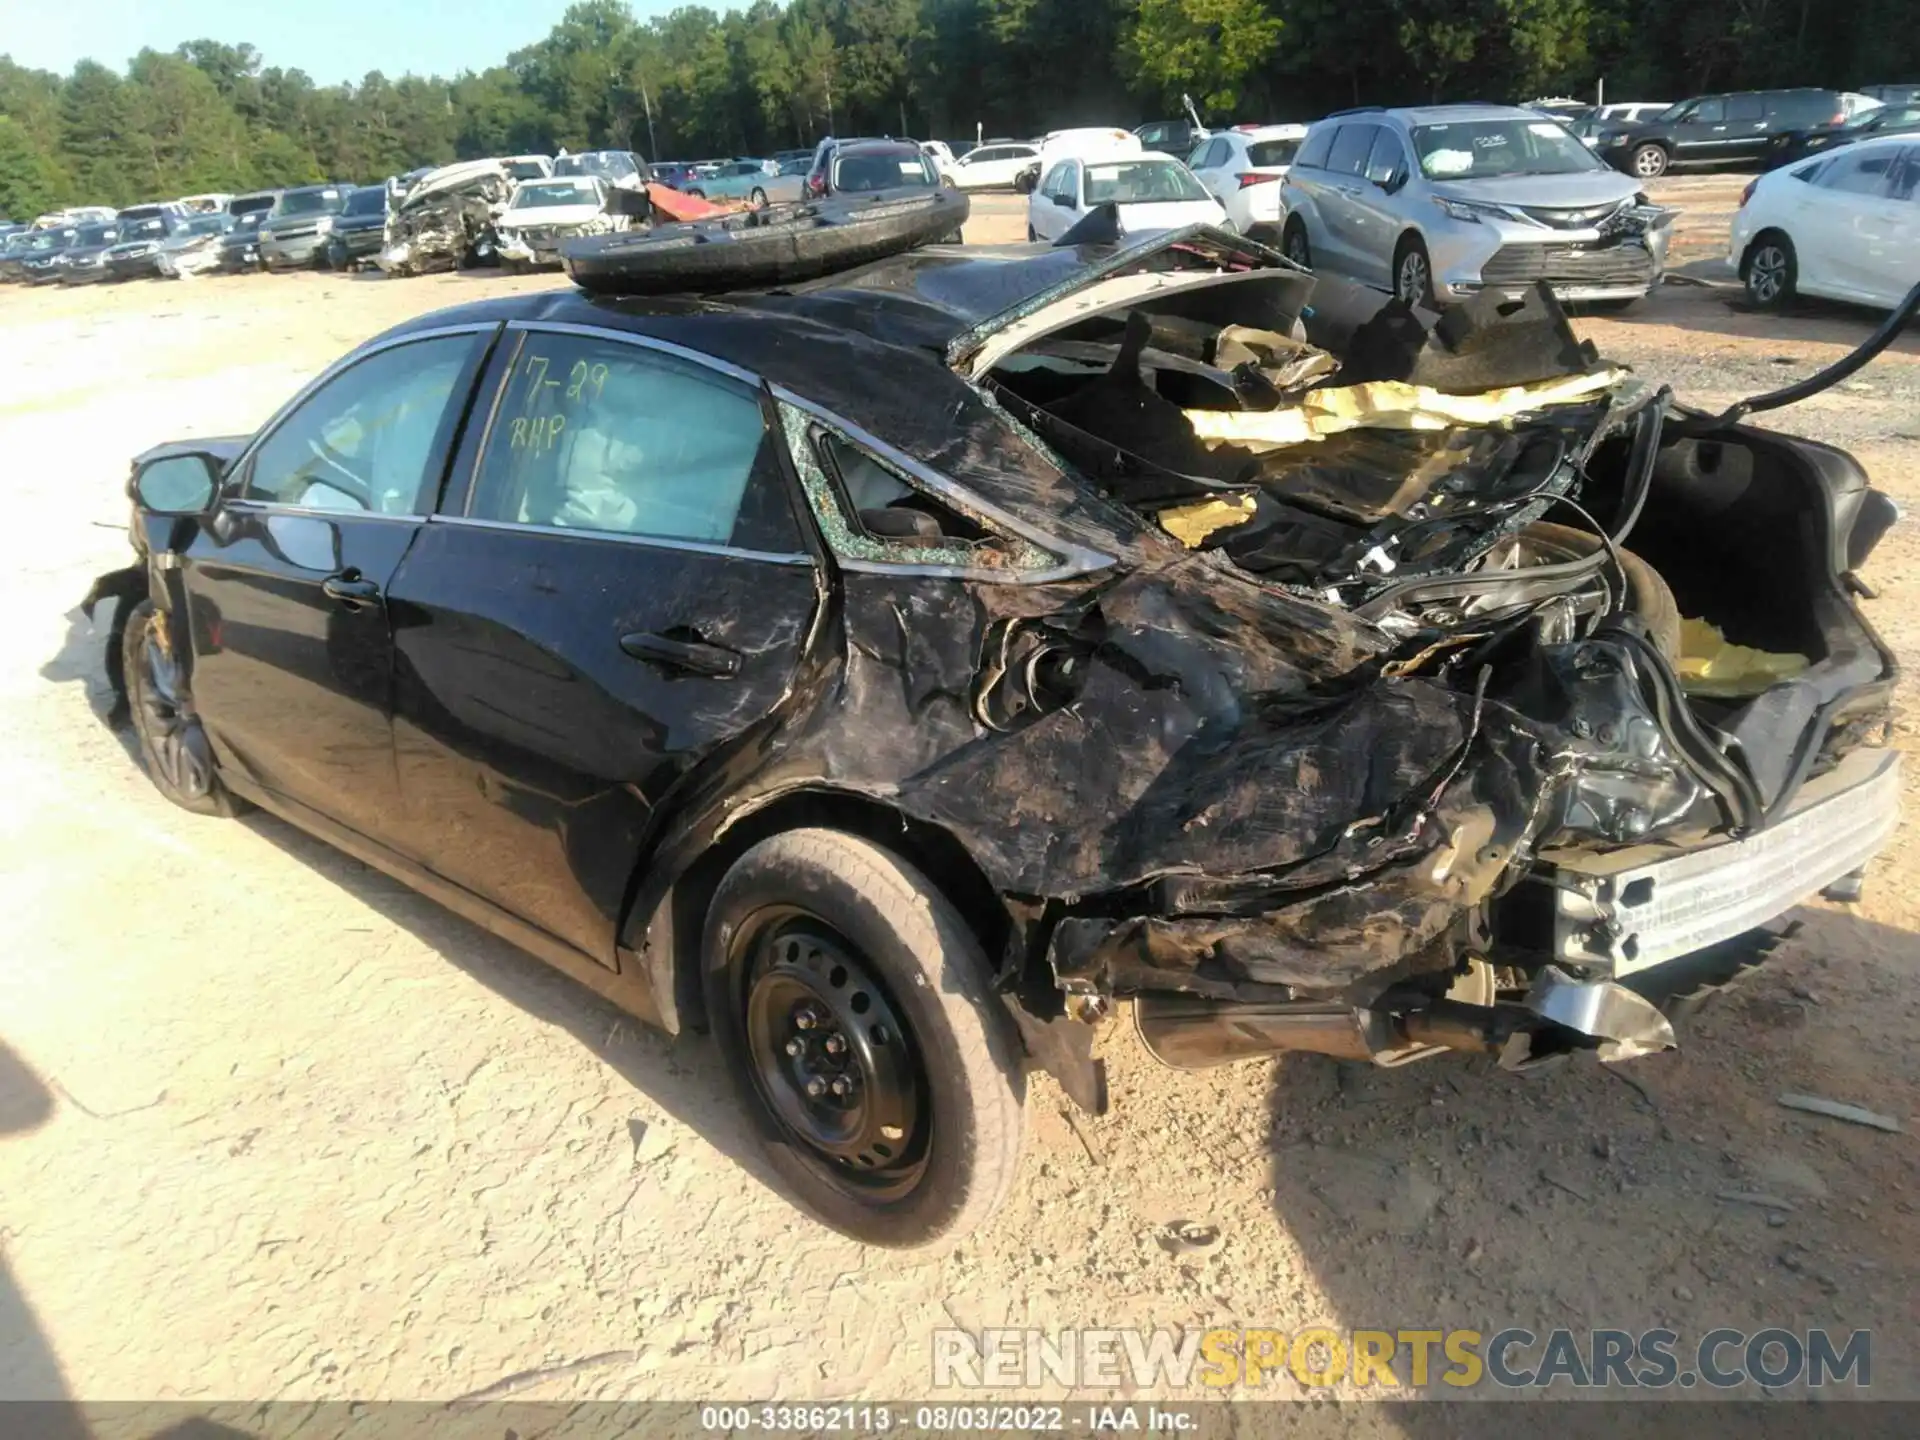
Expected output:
(1483, 697)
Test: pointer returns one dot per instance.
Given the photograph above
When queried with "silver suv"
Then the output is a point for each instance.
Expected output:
(1442, 202)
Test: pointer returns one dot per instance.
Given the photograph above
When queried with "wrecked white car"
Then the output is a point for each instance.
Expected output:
(542, 213)
(445, 219)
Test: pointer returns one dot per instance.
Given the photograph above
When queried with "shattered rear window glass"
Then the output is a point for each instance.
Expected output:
(869, 484)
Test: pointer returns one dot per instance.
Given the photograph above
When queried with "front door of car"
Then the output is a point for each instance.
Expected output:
(1210, 167)
(1377, 217)
(1702, 131)
(620, 595)
(1055, 203)
(285, 584)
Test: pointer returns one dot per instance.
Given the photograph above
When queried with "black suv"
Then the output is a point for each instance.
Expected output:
(1720, 129)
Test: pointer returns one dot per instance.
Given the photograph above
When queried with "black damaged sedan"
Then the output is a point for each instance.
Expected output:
(892, 674)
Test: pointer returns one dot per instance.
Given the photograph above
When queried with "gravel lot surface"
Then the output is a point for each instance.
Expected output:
(272, 1125)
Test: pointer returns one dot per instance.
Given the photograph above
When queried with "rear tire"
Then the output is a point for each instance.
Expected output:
(1295, 245)
(1770, 270)
(829, 961)
(1650, 161)
(758, 199)
(173, 743)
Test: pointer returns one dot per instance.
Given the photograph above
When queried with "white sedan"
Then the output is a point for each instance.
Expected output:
(993, 166)
(1242, 168)
(1152, 192)
(1845, 226)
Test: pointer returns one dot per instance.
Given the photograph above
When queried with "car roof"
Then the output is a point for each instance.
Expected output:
(1455, 114)
(1265, 132)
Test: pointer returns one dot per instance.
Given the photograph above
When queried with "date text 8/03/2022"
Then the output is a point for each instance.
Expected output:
(1322, 1356)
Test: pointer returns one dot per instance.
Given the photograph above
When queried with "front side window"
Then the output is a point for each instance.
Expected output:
(362, 441)
(605, 438)
(1709, 112)
(1384, 160)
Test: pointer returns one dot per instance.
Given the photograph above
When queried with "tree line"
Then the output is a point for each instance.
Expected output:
(695, 83)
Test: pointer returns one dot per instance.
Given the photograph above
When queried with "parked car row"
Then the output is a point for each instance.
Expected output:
(1438, 204)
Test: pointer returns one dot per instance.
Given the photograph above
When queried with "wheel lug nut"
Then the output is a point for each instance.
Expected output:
(842, 1085)
(835, 1045)
(794, 1047)
(816, 1087)
(804, 1020)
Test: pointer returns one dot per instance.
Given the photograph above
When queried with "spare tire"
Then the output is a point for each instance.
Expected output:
(777, 245)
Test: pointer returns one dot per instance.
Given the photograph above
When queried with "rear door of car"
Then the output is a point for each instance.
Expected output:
(1863, 242)
(619, 593)
(1750, 119)
(286, 586)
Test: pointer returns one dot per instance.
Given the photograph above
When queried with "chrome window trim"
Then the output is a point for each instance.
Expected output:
(247, 506)
(1075, 559)
(353, 357)
(655, 542)
(639, 341)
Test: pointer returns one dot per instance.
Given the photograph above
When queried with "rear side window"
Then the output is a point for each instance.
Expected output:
(1314, 149)
(1862, 174)
(1350, 149)
(1215, 153)
(1744, 107)
(604, 438)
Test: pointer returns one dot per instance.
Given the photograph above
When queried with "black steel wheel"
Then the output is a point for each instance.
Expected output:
(853, 1007)
(173, 743)
(831, 1057)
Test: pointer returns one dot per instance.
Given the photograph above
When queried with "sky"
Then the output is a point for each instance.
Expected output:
(330, 40)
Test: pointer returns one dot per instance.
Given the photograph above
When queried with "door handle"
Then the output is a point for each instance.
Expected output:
(677, 652)
(350, 588)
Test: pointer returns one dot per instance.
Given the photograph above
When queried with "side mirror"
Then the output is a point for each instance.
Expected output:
(1026, 180)
(1394, 182)
(178, 485)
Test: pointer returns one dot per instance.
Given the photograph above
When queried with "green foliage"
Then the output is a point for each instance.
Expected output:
(1207, 47)
(694, 82)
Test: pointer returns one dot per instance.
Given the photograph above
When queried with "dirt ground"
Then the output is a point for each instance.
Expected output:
(273, 1126)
